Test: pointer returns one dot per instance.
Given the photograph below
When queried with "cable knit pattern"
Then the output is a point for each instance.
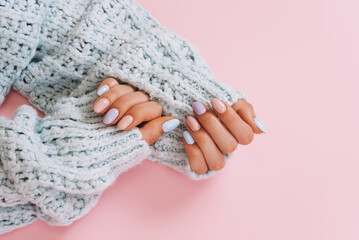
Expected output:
(56, 53)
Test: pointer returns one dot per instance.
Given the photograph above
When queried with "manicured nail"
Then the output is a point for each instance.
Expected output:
(198, 108)
(125, 122)
(218, 105)
(260, 125)
(170, 125)
(110, 116)
(101, 105)
(103, 89)
(193, 123)
(187, 136)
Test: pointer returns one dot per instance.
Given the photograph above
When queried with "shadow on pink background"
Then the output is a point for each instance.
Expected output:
(298, 62)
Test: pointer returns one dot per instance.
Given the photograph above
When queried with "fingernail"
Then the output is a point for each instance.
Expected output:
(110, 116)
(103, 89)
(170, 125)
(193, 123)
(198, 108)
(101, 104)
(187, 136)
(218, 105)
(125, 122)
(260, 125)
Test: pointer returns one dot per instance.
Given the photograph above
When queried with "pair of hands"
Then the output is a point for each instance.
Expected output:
(209, 134)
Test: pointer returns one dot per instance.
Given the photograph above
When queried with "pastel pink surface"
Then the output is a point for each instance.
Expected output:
(298, 63)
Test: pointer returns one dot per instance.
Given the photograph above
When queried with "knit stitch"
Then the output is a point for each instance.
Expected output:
(56, 53)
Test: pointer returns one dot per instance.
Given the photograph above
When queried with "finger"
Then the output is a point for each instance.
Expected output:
(103, 103)
(214, 158)
(196, 159)
(225, 141)
(154, 129)
(123, 104)
(140, 113)
(246, 111)
(235, 124)
(106, 85)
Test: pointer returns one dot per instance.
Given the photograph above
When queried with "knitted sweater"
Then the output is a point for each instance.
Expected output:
(56, 53)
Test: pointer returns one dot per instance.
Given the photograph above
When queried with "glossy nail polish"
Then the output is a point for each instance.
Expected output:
(218, 105)
(193, 123)
(187, 136)
(125, 122)
(170, 125)
(101, 104)
(103, 89)
(110, 116)
(198, 108)
(260, 125)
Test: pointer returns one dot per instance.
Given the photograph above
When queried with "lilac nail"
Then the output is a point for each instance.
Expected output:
(198, 108)
(110, 116)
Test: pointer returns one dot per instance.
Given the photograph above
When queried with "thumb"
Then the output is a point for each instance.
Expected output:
(246, 111)
(154, 129)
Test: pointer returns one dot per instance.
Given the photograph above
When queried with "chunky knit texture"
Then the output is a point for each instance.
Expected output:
(56, 53)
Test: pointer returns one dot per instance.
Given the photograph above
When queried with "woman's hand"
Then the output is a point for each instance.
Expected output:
(209, 138)
(210, 134)
(123, 105)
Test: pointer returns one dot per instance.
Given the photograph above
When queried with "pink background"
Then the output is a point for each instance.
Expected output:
(298, 62)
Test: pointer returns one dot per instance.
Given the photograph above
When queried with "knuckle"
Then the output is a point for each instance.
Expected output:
(209, 119)
(247, 138)
(196, 161)
(131, 87)
(230, 147)
(142, 93)
(197, 155)
(232, 117)
(250, 105)
(157, 106)
(200, 170)
(123, 105)
(218, 164)
(136, 112)
(108, 95)
(199, 167)
(151, 139)
(110, 81)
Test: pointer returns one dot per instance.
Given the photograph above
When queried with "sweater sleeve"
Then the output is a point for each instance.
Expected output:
(56, 53)
(171, 70)
(120, 39)
(19, 30)
(91, 40)
(56, 168)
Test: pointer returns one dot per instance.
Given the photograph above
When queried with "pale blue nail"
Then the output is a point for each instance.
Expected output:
(170, 125)
(260, 125)
(103, 89)
(187, 136)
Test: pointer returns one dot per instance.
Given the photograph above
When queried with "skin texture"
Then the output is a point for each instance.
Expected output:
(215, 134)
